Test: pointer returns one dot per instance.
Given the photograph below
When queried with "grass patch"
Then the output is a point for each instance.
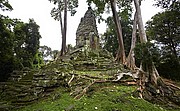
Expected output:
(100, 97)
(101, 74)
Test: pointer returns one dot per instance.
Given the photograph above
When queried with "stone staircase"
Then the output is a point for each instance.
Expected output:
(26, 87)
(97, 60)
(17, 91)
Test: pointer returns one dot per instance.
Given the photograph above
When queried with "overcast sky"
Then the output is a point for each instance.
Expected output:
(50, 29)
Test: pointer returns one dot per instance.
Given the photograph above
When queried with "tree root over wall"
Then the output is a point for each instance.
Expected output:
(163, 92)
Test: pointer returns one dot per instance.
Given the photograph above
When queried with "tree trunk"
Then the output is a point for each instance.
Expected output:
(61, 24)
(152, 86)
(148, 67)
(62, 28)
(142, 32)
(121, 52)
(131, 59)
(63, 48)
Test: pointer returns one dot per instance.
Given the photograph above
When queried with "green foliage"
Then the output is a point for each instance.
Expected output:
(147, 53)
(38, 61)
(26, 43)
(71, 5)
(5, 6)
(18, 46)
(45, 51)
(6, 46)
(168, 4)
(170, 68)
(110, 37)
(19, 40)
(164, 30)
(102, 6)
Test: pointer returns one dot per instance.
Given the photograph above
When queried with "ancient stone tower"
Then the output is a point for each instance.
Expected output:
(87, 33)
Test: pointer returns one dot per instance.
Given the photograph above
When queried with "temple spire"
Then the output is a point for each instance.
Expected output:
(89, 5)
(87, 33)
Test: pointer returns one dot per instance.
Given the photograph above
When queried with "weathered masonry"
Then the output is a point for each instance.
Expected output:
(87, 33)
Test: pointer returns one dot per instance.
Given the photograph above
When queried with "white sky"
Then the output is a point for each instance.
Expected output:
(50, 29)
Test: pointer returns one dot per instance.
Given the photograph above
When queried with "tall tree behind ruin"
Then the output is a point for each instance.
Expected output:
(121, 52)
(151, 84)
(101, 7)
(63, 6)
(131, 59)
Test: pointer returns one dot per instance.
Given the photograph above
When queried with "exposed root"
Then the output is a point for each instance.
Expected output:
(157, 90)
(171, 84)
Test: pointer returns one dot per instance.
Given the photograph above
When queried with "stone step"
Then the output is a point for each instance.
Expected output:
(38, 90)
(6, 107)
(39, 75)
(14, 76)
(3, 102)
(21, 95)
(24, 102)
(12, 91)
(23, 82)
(18, 86)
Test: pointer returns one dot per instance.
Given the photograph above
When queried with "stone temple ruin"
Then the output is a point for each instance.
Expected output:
(87, 33)
(74, 73)
(27, 86)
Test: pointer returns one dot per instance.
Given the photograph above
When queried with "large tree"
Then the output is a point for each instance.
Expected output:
(152, 86)
(110, 36)
(6, 42)
(121, 52)
(131, 59)
(101, 7)
(26, 43)
(151, 76)
(63, 6)
(18, 46)
(31, 44)
(6, 46)
(164, 29)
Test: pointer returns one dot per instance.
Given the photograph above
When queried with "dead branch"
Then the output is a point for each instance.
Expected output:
(84, 91)
(71, 79)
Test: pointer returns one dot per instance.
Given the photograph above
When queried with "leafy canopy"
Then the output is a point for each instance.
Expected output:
(5, 6)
